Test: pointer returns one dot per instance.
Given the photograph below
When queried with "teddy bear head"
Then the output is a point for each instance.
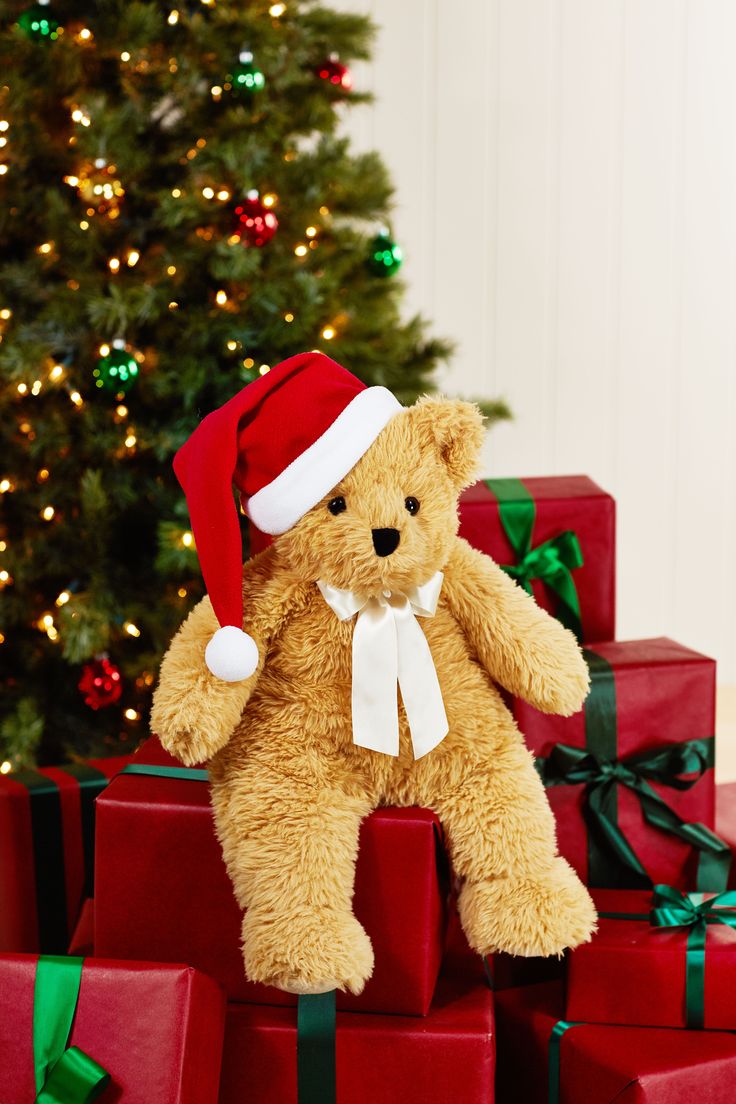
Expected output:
(390, 523)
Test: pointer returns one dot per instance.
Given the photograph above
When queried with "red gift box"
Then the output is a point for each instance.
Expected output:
(156, 1029)
(633, 972)
(162, 891)
(83, 937)
(447, 1057)
(600, 1064)
(561, 503)
(647, 696)
(47, 851)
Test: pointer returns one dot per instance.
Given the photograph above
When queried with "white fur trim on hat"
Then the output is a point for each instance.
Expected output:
(231, 654)
(300, 486)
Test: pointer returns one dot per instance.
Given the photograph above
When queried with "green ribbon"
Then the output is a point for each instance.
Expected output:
(64, 1074)
(191, 774)
(611, 858)
(315, 1049)
(47, 838)
(553, 561)
(553, 1059)
(672, 908)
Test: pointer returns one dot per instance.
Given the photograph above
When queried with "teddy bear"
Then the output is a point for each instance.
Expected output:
(357, 662)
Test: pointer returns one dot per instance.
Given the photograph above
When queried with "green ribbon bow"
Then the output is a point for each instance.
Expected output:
(570, 766)
(552, 561)
(611, 859)
(64, 1074)
(672, 908)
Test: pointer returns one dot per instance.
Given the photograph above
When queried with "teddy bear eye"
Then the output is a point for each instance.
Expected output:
(337, 505)
(412, 505)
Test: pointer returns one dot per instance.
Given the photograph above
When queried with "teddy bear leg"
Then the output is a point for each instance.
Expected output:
(518, 895)
(290, 849)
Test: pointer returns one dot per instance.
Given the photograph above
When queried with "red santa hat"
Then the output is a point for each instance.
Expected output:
(285, 440)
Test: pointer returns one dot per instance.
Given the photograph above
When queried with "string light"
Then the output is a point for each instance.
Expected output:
(269, 199)
(6, 486)
(182, 592)
(3, 546)
(114, 264)
(324, 210)
(248, 362)
(63, 598)
(133, 258)
(208, 193)
(22, 388)
(104, 350)
(121, 411)
(328, 333)
(301, 250)
(173, 305)
(84, 225)
(4, 576)
(131, 629)
(173, 18)
(288, 317)
(216, 92)
(311, 231)
(132, 715)
(125, 56)
(176, 192)
(76, 398)
(221, 298)
(264, 369)
(187, 539)
(48, 513)
(6, 766)
(36, 389)
(277, 10)
(232, 346)
(130, 441)
(6, 313)
(223, 195)
(56, 373)
(45, 247)
(43, 475)
(171, 270)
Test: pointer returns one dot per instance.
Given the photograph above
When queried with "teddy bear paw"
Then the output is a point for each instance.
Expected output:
(308, 952)
(539, 914)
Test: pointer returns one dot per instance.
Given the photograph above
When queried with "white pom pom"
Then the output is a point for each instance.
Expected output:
(231, 654)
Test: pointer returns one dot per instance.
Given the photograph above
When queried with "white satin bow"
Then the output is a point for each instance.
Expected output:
(390, 647)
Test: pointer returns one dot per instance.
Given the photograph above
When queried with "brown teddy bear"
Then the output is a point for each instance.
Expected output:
(367, 584)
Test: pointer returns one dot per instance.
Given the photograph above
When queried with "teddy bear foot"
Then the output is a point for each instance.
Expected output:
(307, 953)
(541, 914)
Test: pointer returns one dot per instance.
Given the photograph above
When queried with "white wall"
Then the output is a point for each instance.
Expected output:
(566, 199)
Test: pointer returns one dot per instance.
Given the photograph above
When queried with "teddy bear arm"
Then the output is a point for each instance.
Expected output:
(522, 647)
(194, 713)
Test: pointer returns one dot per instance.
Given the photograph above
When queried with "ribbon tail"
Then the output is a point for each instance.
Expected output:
(420, 688)
(375, 669)
(75, 1079)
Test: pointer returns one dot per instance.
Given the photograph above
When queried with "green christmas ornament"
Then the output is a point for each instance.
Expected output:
(384, 255)
(39, 24)
(246, 78)
(117, 370)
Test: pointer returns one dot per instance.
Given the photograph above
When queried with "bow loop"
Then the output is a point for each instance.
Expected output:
(673, 908)
(389, 647)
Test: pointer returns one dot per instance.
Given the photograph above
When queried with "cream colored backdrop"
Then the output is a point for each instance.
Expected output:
(566, 199)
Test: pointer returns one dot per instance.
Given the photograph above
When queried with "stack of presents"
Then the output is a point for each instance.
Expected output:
(132, 987)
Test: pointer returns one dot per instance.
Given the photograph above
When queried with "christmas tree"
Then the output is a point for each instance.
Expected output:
(177, 212)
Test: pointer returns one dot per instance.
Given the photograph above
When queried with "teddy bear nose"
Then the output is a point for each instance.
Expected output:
(385, 541)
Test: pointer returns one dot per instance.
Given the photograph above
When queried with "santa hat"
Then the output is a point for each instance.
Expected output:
(285, 440)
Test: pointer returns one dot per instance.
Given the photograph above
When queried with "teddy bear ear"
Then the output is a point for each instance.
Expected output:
(456, 429)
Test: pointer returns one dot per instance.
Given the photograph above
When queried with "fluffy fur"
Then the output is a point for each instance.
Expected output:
(290, 788)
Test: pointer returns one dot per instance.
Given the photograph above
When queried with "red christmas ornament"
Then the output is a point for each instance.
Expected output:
(336, 73)
(255, 223)
(101, 683)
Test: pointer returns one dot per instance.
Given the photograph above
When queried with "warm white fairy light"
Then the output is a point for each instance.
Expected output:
(187, 539)
(56, 373)
(269, 199)
(121, 411)
(6, 766)
(22, 388)
(300, 250)
(125, 56)
(223, 195)
(114, 264)
(36, 388)
(45, 247)
(133, 258)
(328, 333)
(171, 270)
(4, 576)
(76, 398)
(182, 592)
(176, 192)
(208, 193)
(221, 298)
(43, 475)
(104, 350)
(48, 513)
(63, 598)
(277, 10)
(131, 629)
(173, 18)
(232, 346)
(130, 441)
(264, 369)
(5, 486)
(311, 231)
(288, 317)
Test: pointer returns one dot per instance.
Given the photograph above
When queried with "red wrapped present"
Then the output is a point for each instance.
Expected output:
(162, 891)
(545, 1059)
(315, 1057)
(630, 777)
(47, 832)
(83, 937)
(557, 537)
(136, 1032)
(660, 959)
